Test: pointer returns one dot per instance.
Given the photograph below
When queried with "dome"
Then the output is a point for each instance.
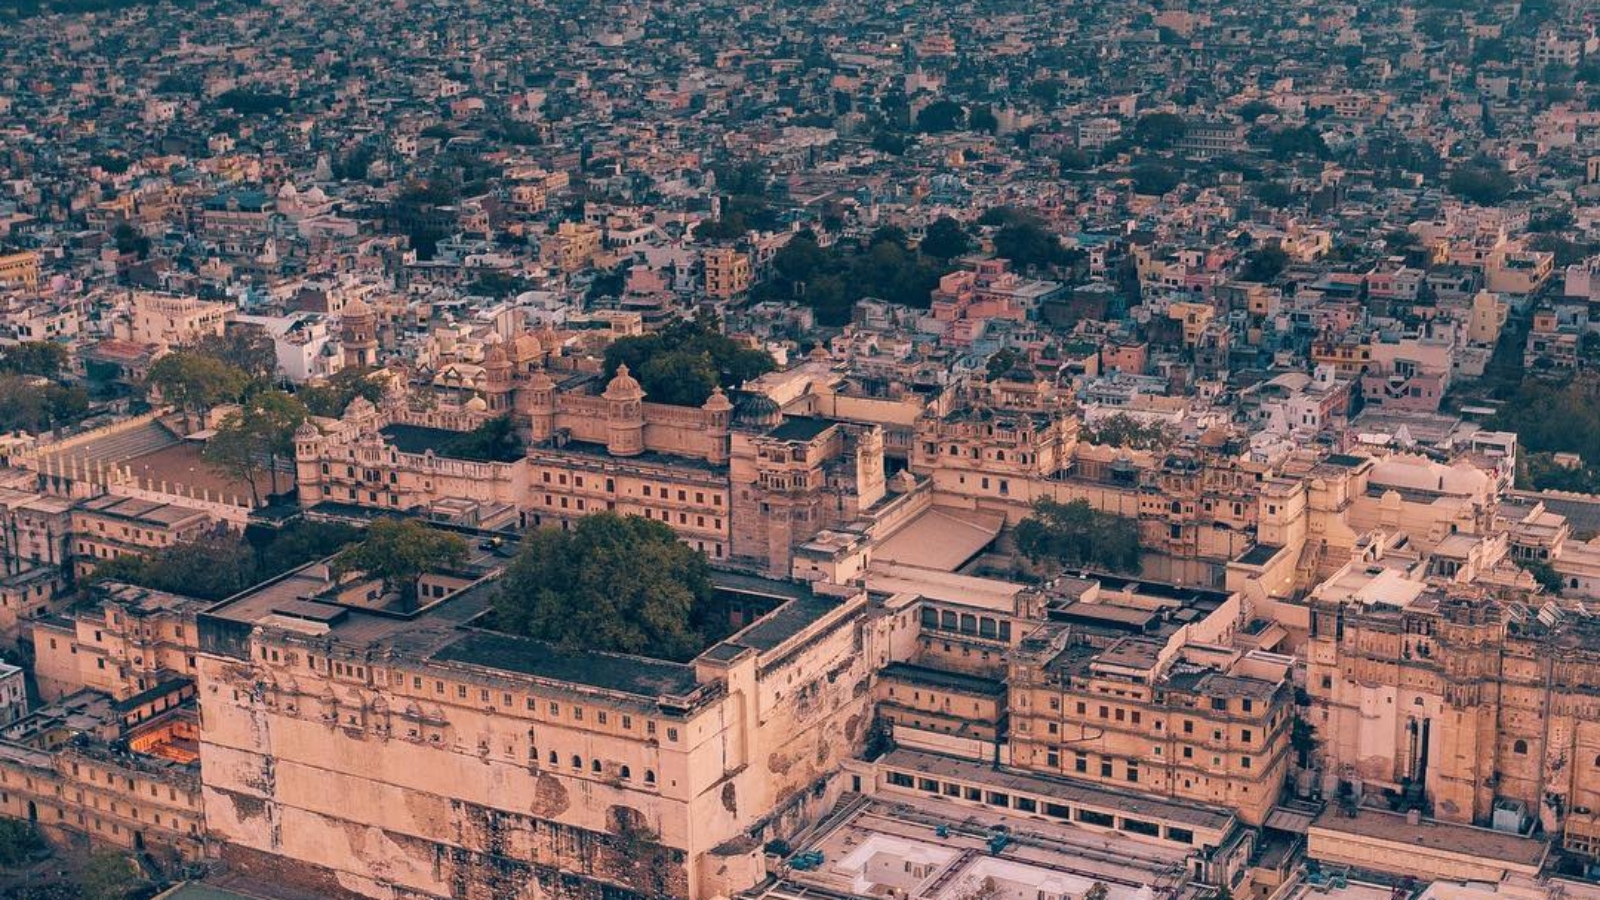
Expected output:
(359, 408)
(718, 402)
(624, 386)
(526, 347)
(477, 404)
(757, 411)
(307, 432)
(497, 357)
(540, 380)
(357, 309)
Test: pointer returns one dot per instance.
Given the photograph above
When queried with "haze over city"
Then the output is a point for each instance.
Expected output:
(714, 450)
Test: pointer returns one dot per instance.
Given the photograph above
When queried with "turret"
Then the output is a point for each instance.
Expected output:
(540, 403)
(625, 414)
(719, 414)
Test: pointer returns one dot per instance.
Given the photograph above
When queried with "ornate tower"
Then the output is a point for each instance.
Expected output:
(358, 332)
(625, 414)
(497, 380)
(719, 413)
(538, 400)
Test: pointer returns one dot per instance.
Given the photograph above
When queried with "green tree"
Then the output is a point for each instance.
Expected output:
(1264, 264)
(329, 398)
(128, 239)
(247, 349)
(1028, 244)
(494, 441)
(944, 238)
(1275, 194)
(41, 358)
(1076, 535)
(108, 875)
(1001, 363)
(941, 116)
(1159, 130)
(612, 583)
(1482, 181)
(34, 405)
(214, 566)
(1123, 430)
(1154, 179)
(234, 450)
(982, 118)
(256, 437)
(1545, 574)
(18, 841)
(398, 551)
(682, 363)
(1255, 109)
(195, 383)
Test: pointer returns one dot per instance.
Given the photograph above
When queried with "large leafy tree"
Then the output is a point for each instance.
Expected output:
(195, 382)
(1076, 535)
(211, 567)
(398, 551)
(945, 239)
(493, 441)
(682, 363)
(1159, 130)
(248, 349)
(330, 397)
(28, 405)
(613, 583)
(255, 437)
(33, 358)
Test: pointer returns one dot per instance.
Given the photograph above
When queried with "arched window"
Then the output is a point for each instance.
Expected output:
(594, 766)
(1520, 748)
(626, 773)
(554, 760)
(577, 762)
(649, 777)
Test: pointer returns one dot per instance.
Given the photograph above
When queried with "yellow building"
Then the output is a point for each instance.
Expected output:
(727, 272)
(20, 271)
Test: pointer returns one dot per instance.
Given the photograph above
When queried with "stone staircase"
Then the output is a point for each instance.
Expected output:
(116, 449)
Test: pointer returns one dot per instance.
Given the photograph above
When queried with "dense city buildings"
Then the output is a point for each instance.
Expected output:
(966, 451)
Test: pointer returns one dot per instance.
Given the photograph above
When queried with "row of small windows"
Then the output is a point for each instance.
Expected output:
(663, 492)
(602, 717)
(595, 766)
(1039, 806)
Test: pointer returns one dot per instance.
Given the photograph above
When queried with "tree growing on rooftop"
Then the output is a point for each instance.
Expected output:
(684, 362)
(493, 441)
(613, 583)
(331, 396)
(398, 551)
(1076, 535)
